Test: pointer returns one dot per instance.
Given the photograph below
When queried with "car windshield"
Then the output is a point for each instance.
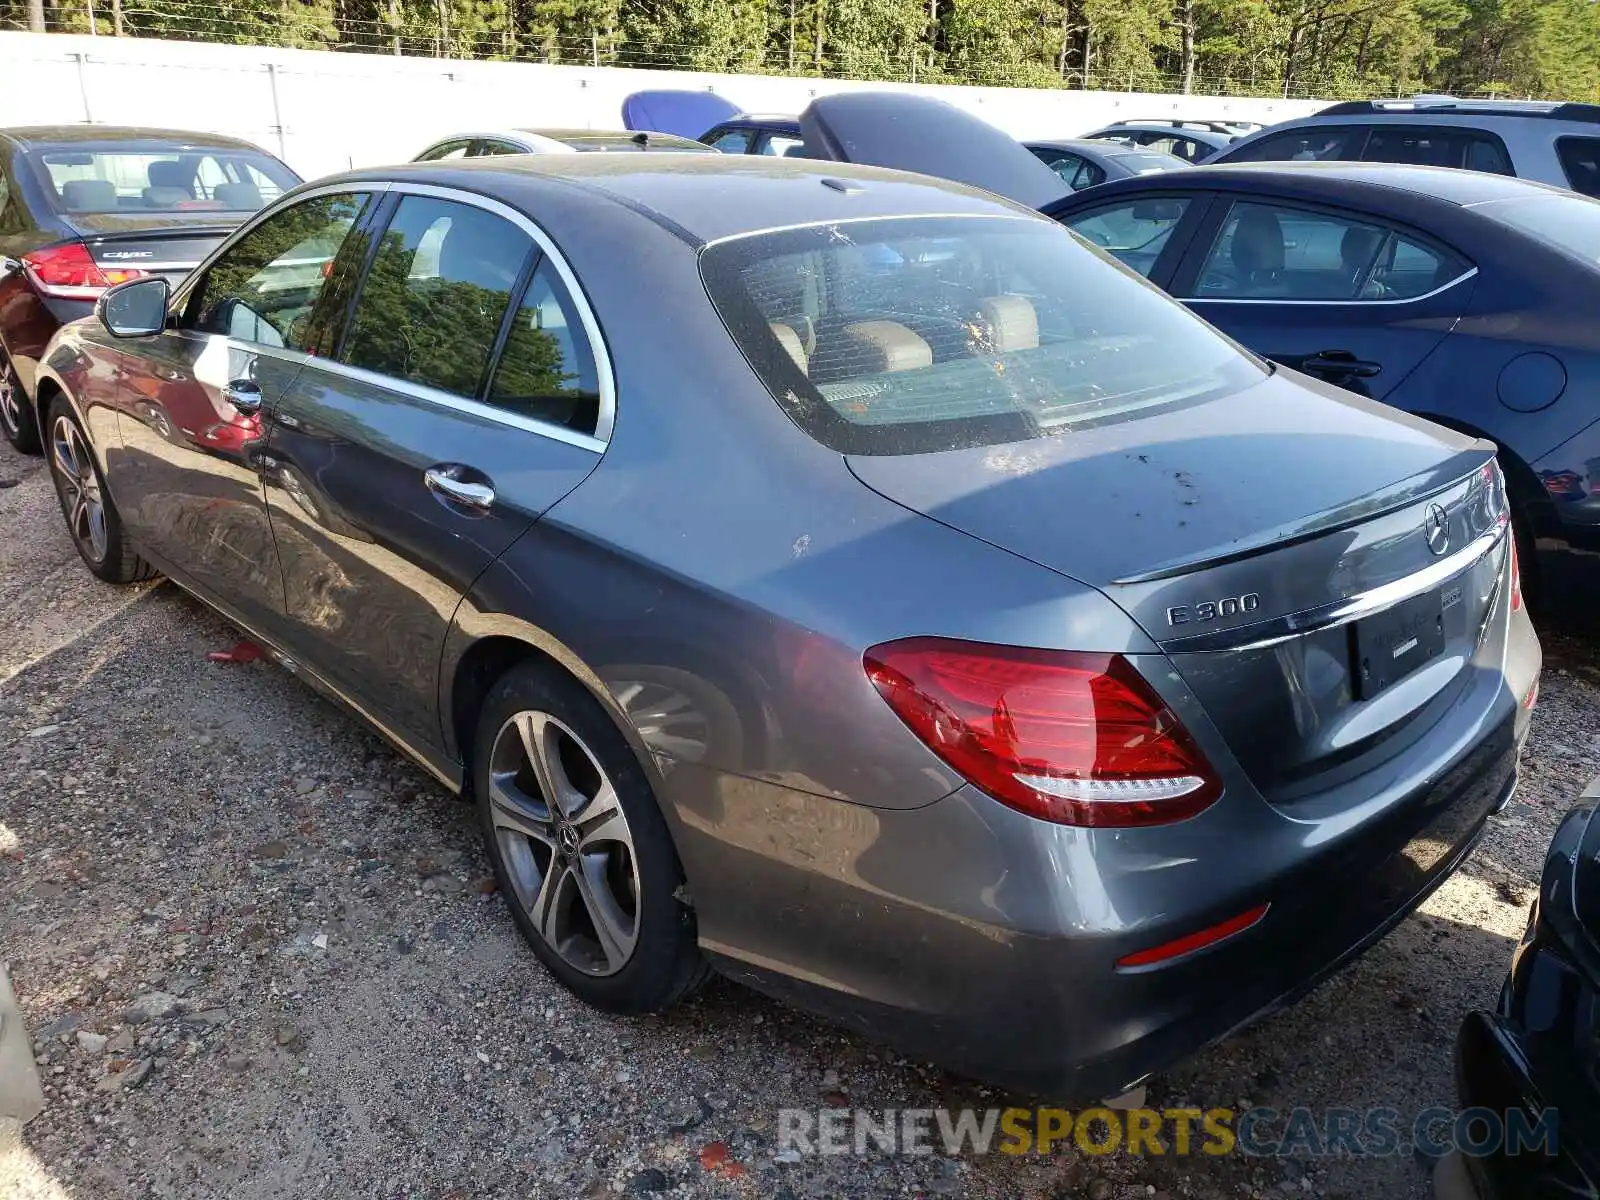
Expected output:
(907, 335)
(1564, 220)
(88, 178)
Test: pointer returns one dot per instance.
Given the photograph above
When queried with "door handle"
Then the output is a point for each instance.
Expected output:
(244, 395)
(1341, 363)
(450, 483)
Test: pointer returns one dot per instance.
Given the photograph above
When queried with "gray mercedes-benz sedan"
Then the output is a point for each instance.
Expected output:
(842, 578)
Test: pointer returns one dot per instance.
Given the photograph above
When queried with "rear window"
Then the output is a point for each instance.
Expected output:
(113, 178)
(1147, 164)
(909, 335)
(1570, 223)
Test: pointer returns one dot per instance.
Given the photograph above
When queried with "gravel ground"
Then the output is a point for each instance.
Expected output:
(261, 957)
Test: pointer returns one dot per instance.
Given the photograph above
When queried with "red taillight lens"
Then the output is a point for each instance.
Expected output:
(69, 272)
(1080, 739)
(1191, 942)
(1516, 576)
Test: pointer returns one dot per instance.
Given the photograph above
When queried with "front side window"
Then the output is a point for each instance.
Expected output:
(489, 148)
(1426, 146)
(106, 179)
(1580, 159)
(902, 336)
(431, 305)
(1185, 148)
(1310, 143)
(1268, 252)
(264, 288)
(734, 141)
(547, 369)
(1136, 231)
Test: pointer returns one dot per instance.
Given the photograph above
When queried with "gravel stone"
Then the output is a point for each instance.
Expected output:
(179, 867)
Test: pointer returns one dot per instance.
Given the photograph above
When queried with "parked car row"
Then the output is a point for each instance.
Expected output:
(806, 566)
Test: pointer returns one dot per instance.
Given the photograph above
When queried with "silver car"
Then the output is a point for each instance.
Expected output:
(843, 579)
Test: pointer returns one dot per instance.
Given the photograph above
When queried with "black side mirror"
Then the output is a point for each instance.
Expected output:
(135, 309)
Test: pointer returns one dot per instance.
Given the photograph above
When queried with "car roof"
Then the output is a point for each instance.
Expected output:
(703, 198)
(1448, 106)
(1443, 183)
(39, 135)
(1175, 127)
(575, 137)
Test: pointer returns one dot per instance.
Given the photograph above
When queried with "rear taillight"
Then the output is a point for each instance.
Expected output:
(1079, 739)
(69, 272)
(1516, 576)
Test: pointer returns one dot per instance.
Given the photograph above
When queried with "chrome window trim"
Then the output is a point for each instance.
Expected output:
(122, 264)
(461, 404)
(1263, 634)
(1442, 288)
(605, 418)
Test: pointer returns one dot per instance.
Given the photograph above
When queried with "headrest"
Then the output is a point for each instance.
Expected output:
(1357, 247)
(167, 173)
(89, 195)
(790, 341)
(1012, 323)
(880, 346)
(1258, 243)
(242, 197)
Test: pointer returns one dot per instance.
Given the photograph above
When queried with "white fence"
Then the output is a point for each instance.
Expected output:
(324, 112)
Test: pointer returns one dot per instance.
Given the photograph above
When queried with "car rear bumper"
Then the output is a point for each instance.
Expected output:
(1035, 999)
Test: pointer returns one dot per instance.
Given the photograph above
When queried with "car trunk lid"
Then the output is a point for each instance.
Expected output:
(1275, 543)
(171, 248)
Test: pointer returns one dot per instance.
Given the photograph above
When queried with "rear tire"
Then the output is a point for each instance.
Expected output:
(17, 421)
(582, 853)
(92, 519)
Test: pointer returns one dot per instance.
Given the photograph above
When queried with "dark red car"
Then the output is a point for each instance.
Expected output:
(83, 207)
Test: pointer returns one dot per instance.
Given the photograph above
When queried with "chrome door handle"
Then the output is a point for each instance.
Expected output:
(244, 395)
(447, 482)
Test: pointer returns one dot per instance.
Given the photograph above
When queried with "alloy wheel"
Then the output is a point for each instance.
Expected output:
(565, 843)
(79, 486)
(10, 399)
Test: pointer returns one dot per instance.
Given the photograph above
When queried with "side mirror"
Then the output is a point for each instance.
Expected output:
(134, 309)
(8, 267)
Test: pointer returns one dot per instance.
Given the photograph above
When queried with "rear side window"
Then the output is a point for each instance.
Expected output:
(1580, 159)
(1424, 146)
(1135, 231)
(446, 150)
(546, 370)
(1310, 143)
(780, 145)
(431, 306)
(902, 336)
(1269, 252)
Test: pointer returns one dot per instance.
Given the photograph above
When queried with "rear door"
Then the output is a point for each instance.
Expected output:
(466, 393)
(1341, 295)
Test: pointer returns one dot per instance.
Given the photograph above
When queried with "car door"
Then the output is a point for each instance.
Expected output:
(1350, 298)
(193, 399)
(1148, 231)
(466, 393)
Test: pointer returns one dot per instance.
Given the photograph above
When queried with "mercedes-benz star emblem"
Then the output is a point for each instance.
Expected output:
(1436, 528)
(567, 837)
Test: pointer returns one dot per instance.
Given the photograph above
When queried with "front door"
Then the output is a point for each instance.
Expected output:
(1338, 295)
(193, 403)
(463, 401)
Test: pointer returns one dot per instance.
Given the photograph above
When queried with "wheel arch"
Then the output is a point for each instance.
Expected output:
(480, 649)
